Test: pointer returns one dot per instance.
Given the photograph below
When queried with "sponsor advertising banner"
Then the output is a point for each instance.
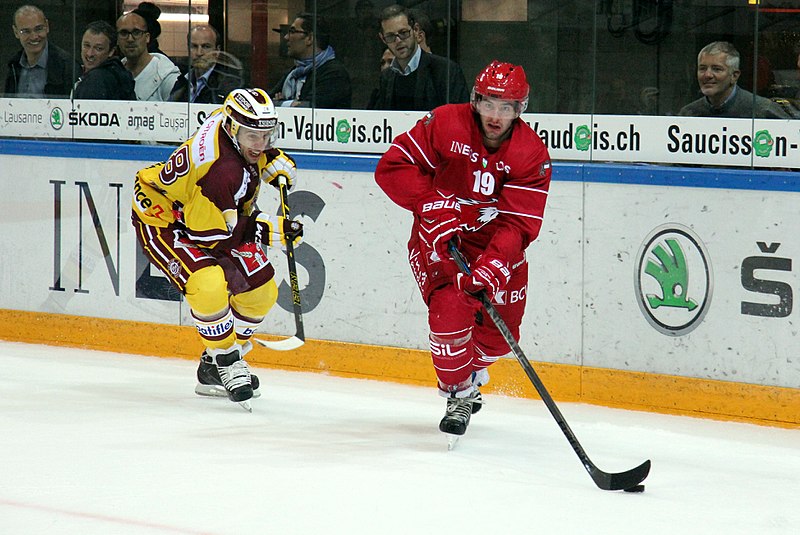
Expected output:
(696, 282)
(582, 138)
(693, 282)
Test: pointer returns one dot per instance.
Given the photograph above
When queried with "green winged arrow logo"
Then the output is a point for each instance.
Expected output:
(672, 276)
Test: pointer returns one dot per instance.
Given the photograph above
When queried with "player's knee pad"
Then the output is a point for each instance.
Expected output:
(249, 309)
(452, 354)
(446, 311)
(207, 291)
(257, 302)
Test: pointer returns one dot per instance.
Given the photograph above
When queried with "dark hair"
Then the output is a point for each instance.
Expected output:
(396, 10)
(424, 23)
(150, 13)
(104, 28)
(322, 35)
(423, 20)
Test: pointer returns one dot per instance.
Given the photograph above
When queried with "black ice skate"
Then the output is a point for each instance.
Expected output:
(456, 417)
(209, 382)
(234, 375)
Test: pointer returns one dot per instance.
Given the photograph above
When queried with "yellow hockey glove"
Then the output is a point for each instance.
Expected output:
(276, 231)
(280, 166)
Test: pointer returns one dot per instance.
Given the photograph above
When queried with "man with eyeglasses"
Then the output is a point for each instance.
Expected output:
(40, 69)
(416, 80)
(477, 175)
(319, 78)
(154, 74)
(209, 79)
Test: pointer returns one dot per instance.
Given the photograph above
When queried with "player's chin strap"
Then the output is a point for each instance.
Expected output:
(299, 337)
(604, 480)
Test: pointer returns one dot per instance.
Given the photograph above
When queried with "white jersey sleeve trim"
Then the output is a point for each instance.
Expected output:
(404, 152)
(209, 238)
(535, 190)
(520, 214)
(414, 141)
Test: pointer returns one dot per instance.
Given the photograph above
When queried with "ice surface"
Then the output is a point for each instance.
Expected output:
(105, 443)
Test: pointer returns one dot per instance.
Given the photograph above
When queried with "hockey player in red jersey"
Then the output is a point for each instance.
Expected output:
(196, 219)
(476, 173)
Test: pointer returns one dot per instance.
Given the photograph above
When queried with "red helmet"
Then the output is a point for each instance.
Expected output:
(503, 80)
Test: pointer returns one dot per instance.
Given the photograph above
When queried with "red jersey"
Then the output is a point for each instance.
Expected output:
(502, 192)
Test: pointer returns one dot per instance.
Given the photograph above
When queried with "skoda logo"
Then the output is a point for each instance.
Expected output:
(673, 279)
(56, 118)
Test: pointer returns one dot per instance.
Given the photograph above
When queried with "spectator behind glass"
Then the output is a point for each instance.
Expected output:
(155, 74)
(386, 62)
(416, 80)
(211, 75)
(423, 30)
(40, 69)
(717, 73)
(104, 77)
(319, 78)
(386, 59)
(150, 13)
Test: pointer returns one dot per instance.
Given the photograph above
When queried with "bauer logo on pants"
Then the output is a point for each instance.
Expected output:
(673, 279)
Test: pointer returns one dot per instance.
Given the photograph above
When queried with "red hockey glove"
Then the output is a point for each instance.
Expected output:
(439, 221)
(488, 273)
(275, 231)
(281, 166)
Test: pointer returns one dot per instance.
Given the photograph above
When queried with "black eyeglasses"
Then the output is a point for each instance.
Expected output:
(392, 37)
(137, 33)
(293, 31)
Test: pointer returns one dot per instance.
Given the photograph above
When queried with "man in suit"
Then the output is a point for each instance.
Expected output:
(208, 80)
(416, 79)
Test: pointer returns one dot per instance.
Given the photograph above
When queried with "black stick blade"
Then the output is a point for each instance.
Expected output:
(621, 480)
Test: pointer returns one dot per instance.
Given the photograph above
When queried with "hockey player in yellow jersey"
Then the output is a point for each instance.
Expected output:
(196, 220)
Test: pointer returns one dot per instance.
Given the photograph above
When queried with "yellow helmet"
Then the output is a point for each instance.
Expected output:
(249, 108)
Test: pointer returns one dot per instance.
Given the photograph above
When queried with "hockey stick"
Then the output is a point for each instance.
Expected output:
(604, 480)
(299, 337)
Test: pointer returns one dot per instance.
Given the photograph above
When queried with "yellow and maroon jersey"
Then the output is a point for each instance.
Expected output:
(205, 188)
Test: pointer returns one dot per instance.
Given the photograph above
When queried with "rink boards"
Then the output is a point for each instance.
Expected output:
(667, 289)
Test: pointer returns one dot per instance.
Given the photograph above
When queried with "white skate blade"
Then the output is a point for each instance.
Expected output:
(452, 440)
(216, 391)
(246, 405)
